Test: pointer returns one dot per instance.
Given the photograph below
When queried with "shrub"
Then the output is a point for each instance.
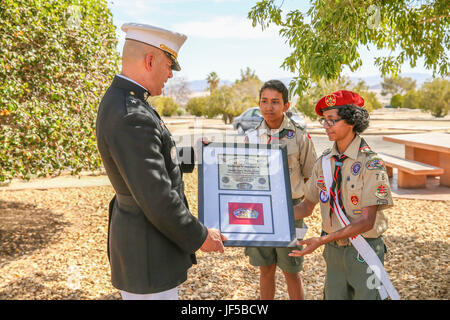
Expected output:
(165, 106)
(56, 60)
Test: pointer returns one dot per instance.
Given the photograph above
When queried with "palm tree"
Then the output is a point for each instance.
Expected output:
(213, 81)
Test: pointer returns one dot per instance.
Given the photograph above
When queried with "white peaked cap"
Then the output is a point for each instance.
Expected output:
(168, 41)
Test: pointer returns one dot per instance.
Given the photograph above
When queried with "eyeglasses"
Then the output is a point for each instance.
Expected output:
(330, 123)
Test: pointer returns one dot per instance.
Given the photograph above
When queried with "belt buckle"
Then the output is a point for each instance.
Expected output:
(343, 242)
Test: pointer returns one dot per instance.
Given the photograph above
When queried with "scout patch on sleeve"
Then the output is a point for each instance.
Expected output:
(382, 192)
(324, 197)
(354, 200)
(381, 176)
(375, 163)
(320, 183)
(366, 149)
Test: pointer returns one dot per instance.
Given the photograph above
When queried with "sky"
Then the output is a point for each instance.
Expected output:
(222, 39)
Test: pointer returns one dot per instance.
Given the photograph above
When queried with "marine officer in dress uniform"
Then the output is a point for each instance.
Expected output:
(352, 205)
(152, 236)
(278, 128)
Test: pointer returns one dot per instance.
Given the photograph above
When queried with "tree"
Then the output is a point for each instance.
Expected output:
(178, 89)
(166, 106)
(247, 74)
(213, 81)
(397, 101)
(400, 85)
(370, 99)
(411, 99)
(57, 59)
(196, 106)
(436, 97)
(330, 34)
(228, 101)
(306, 103)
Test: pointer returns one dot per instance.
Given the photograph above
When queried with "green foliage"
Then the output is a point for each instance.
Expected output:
(400, 85)
(228, 101)
(330, 35)
(306, 103)
(435, 96)
(213, 81)
(166, 106)
(56, 60)
(370, 100)
(196, 106)
(397, 101)
(411, 99)
(248, 75)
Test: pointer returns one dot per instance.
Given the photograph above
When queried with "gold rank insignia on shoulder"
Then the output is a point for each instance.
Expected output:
(132, 93)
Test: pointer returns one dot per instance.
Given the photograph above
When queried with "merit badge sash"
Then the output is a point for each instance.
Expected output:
(364, 249)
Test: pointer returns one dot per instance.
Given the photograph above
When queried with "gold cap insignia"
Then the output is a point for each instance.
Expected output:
(330, 100)
(167, 49)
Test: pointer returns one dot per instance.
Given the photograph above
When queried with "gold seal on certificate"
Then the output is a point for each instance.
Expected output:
(243, 172)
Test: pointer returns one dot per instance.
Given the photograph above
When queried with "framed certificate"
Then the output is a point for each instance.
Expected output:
(245, 192)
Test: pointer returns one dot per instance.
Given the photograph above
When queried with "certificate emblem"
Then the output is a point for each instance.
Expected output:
(245, 213)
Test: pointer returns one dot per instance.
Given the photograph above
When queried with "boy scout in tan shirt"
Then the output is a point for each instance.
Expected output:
(361, 185)
(278, 128)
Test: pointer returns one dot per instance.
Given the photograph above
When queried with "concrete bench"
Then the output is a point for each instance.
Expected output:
(411, 174)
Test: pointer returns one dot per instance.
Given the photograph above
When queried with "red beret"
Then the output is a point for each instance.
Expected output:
(338, 98)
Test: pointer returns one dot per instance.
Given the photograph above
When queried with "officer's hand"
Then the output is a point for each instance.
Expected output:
(311, 245)
(213, 241)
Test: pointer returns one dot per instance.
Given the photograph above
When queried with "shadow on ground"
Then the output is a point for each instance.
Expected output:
(25, 228)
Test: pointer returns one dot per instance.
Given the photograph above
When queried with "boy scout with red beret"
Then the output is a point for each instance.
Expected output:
(278, 128)
(351, 184)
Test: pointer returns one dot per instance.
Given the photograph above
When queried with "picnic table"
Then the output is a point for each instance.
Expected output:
(430, 148)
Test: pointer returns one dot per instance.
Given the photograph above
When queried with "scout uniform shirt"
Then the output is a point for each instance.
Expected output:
(300, 150)
(364, 183)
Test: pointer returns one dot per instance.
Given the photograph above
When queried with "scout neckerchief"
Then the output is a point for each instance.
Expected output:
(364, 249)
(337, 182)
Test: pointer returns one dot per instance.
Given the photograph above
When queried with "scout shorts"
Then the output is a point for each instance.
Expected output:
(266, 256)
(348, 277)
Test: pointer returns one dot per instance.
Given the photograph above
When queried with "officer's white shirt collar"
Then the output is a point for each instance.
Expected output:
(131, 80)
